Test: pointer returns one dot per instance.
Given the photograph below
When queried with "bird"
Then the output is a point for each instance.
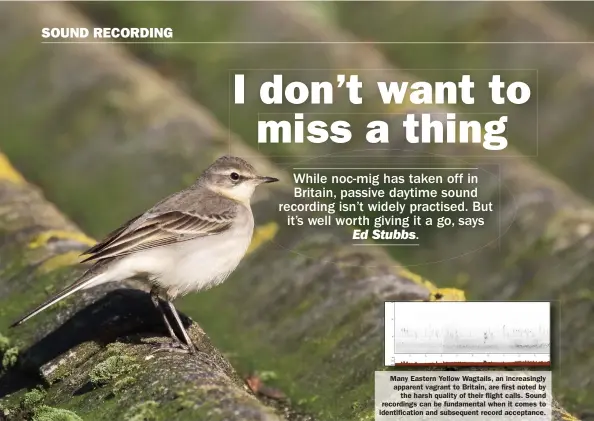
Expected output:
(188, 242)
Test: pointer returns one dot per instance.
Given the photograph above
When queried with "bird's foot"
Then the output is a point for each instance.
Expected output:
(177, 347)
(192, 349)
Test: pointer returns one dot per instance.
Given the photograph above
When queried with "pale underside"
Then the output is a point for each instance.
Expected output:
(186, 266)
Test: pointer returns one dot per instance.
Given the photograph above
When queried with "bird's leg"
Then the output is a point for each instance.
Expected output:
(157, 303)
(189, 342)
(177, 345)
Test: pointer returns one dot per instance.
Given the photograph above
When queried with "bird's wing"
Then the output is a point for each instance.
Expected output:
(159, 230)
(109, 238)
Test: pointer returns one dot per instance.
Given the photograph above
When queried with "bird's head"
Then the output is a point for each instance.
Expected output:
(234, 178)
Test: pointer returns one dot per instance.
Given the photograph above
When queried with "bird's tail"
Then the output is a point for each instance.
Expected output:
(87, 280)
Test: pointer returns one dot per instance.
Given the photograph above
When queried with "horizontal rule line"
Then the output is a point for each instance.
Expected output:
(328, 42)
(389, 244)
(401, 168)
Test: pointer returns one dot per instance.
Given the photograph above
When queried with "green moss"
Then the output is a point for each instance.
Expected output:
(184, 401)
(112, 368)
(145, 411)
(47, 413)
(17, 302)
(123, 384)
(369, 416)
(4, 343)
(202, 401)
(115, 348)
(10, 357)
(70, 362)
(312, 389)
(32, 408)
(6, 412)
(33, 399)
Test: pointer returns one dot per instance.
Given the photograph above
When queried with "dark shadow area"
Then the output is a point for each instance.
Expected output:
(14, 380)
(118, 316)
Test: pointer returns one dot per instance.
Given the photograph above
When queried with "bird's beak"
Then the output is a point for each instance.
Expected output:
(263, 180)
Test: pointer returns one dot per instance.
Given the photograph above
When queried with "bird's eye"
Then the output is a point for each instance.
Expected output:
(234, 176)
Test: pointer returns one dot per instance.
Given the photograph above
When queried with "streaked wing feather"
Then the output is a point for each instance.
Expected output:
(164, 229)
(109, 238)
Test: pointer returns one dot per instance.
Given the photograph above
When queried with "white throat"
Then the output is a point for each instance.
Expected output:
(241, 193)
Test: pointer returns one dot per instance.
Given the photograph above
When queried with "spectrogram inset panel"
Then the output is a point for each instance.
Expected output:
(468, 333)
